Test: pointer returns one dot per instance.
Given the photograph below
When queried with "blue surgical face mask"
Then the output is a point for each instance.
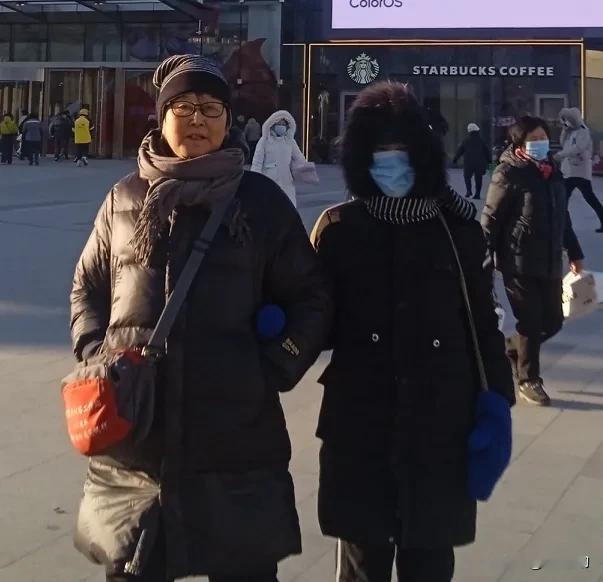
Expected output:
(393, 173)
(538, 150)
(280, 130)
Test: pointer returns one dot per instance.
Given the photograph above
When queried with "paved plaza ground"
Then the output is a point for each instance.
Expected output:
(547, 512)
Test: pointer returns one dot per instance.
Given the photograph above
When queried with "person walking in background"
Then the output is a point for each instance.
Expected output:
(253, 133)
(476, 159)
(576, 157)
(527, 228)
(32, 135)
(209, 491)
(400, 391)
(22, 119)
(277, 152)
(61, 131)
(8, 135)
(82, 131)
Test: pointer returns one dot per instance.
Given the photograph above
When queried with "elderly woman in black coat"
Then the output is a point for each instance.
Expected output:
(208, 492)
(528, 229)
(400, 392)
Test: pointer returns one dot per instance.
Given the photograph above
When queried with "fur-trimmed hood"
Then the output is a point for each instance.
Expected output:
(274, 119)
(574, 117)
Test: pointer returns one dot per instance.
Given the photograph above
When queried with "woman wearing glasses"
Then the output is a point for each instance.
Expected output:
(209, 492)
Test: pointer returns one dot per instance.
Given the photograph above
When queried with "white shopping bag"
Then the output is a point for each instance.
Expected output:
(579, 295)
(598, 284)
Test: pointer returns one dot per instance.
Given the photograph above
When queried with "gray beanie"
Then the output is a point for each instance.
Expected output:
(189, 73)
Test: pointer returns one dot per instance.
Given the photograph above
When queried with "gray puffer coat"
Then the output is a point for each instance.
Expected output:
(214, 472)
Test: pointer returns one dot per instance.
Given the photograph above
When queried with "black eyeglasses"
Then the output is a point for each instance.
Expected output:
(211, 109)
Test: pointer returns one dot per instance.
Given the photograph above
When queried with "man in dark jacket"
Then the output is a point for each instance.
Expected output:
(527, 228)
(476, 159)
(61, 130)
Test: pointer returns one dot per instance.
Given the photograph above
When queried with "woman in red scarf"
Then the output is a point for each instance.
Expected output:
(527, 227)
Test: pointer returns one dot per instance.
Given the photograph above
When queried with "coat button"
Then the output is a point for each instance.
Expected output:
(436, 343)
(375, 337)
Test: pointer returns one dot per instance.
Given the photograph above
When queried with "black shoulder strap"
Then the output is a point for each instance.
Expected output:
(156, 346)
(474, 337)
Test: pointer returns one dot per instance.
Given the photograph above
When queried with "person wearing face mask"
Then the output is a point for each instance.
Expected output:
(400, 390)
(527, 227)
(208, 491)
(576, 159)
(277, 152)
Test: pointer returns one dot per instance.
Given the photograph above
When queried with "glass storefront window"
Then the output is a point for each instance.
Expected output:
(139, 106)
(141, 42)
(4, 42)
(63, 92)
(103, 43)
(174, 38)
(30, 42)
(66, 42)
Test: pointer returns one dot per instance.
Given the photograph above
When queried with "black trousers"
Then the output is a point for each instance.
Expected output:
(536, 304)
(586, 187)
(470, 174)
(374, 563)
(7, 145)
(81, 150)
(61, 147)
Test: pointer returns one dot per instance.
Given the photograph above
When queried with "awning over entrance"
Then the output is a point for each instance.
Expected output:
(41, 9)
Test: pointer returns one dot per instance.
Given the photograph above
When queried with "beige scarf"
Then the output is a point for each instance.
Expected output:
(174, 182)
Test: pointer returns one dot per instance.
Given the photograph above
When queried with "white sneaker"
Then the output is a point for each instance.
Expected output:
(79, 163)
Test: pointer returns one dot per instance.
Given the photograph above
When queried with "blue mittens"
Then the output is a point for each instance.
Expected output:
(270, 322)
(490, 444)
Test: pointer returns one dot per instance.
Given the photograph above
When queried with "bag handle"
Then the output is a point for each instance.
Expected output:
(465, 290)
(155, 348)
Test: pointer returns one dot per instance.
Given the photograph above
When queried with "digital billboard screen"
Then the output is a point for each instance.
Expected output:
(464, 14)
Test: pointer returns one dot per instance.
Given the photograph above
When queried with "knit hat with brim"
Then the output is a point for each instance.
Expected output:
(185, 74)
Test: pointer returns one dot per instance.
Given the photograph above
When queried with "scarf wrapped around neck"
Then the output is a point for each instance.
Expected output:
(544, 166)
(412, 210)
(175, 182)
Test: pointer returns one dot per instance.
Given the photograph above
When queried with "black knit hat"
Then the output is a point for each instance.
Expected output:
(188, 73)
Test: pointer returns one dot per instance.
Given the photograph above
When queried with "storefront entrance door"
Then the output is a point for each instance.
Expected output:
(346, 100)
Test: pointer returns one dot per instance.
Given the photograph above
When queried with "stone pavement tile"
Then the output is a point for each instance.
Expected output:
(38, 507)
(322, 571)
(594, 466)
(520, 443)
(530, 420)
(48, 563)
(489, 556)
(529, 490)
(315, 545)
(560, 546)
(574, 432)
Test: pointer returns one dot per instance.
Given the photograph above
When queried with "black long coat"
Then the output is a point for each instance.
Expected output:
(526, 221)
(399, 392)
(220, 432)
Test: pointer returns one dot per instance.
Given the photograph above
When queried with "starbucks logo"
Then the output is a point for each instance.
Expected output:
(363, 70)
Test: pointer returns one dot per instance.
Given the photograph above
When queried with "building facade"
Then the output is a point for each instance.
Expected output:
(484, 74)
(57, 56)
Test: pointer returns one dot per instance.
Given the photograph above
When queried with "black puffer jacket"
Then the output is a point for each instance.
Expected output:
(220, 428)
(400, 389)
(475, 153)
(526, 221)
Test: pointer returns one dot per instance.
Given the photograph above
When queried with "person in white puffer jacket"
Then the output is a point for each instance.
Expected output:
(576, 159)
(277, 152)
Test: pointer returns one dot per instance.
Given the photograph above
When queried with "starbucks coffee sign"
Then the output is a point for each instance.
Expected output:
(482, 71)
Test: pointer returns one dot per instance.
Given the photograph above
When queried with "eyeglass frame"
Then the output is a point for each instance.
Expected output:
(197, 107)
